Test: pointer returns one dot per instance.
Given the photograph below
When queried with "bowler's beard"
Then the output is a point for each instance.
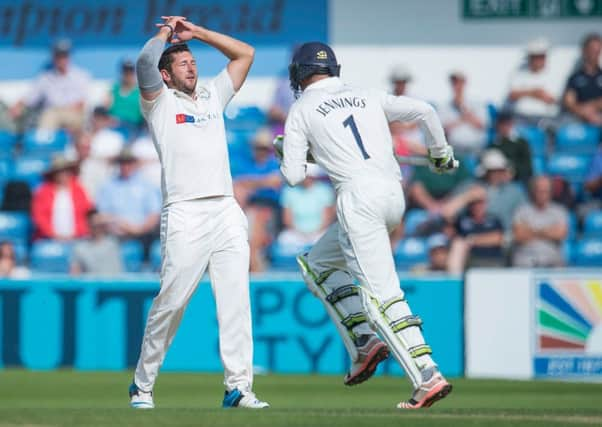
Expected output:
(183, 85)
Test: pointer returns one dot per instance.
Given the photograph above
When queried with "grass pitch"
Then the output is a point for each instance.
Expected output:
(67, 398)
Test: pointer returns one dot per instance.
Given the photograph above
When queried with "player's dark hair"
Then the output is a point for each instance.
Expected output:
(167, 56)
(590, 37)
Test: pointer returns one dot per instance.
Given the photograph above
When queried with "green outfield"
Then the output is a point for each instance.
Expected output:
(67, 398)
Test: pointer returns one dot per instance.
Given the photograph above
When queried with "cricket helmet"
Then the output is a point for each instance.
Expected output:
(309, 59)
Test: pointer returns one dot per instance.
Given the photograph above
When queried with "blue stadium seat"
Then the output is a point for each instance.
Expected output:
(6, 169)
(244, 118)
(535, 137)
(539, 165)
(577, 138)
(588, 253)
(155, 255)
(413, 220)
(50, 256)
(44, 142)
(593, 224)
(568, 251)
(571, 167)
(7, 142)
(30, 169)
(283, 259)
(14, 226)
(132, 254)
(411, 252)
(572, 226)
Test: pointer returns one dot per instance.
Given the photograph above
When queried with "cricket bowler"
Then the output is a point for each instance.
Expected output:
(202, 226)
(345, 130)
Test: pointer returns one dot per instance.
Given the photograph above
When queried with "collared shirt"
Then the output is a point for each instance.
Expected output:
(60, 90)
(131, 199)
(347, 131)
(190, 138)
(586, 86)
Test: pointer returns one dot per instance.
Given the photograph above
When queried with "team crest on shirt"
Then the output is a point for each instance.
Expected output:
(198, 121)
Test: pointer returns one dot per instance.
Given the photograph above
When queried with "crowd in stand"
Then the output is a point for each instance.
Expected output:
(512, 202)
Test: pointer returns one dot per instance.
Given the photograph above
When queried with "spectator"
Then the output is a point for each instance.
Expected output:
(282, 100)
(438, 245)
(100, 253)
(148, 159)
(593, 181)
(442, 197)
(532, 90)
(92, 171)
(479, 239)
(61, 91)
(257, 190)
(60, 204)
(400, 77)
(106, 142)
(503, 195)
(464, 120)
(539, 228)
(515, 148)
(131, 204)
(583, 94)
(307, 211)
(8, 263)
(123, 100)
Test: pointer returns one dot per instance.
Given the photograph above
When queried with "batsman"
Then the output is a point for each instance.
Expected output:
(345, 131)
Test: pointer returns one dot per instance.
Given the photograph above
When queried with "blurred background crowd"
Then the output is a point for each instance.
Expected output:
(80, 185)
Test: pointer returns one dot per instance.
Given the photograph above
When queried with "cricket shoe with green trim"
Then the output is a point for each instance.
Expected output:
(140, 399)
(433, 388)
(371, 351)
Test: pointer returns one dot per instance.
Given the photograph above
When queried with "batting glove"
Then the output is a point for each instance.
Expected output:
(443, 161)
(278, 146)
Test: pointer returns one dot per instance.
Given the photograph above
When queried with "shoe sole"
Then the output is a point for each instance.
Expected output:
(378, 354)
(441, 394)
(141, 406)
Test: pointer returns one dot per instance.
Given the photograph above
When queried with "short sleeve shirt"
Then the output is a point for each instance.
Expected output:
(190, 138)
(586, 86)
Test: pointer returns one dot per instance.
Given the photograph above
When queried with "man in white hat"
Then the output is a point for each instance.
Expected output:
(532, 89)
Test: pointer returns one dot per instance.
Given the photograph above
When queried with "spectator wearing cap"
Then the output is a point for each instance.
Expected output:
(533, 95)
(504, 195)
(540, 227)
(513, 146)
(123, 99)
(8, 263)
(257, 186)
(99, 254)
(479, 240)
(60, 204)
(438, 247)
(463, 119)
(61, 93)
(307, 211)
(407, 137)
(583, 93)
(131, 204)
(106, 142)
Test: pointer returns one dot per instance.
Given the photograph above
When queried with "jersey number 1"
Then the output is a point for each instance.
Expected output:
(349, 121)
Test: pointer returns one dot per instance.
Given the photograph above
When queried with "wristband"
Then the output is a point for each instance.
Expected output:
(171, 29)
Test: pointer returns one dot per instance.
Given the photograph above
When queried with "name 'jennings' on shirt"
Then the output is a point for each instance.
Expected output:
(344, 102)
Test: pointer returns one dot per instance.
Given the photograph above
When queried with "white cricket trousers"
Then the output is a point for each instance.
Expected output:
(368, 209)
(196, 234)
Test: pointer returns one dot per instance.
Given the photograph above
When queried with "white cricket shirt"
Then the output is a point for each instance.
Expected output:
(347, 131)
(190, 139)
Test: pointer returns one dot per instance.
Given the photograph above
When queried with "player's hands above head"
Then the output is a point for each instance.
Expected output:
(442, 160)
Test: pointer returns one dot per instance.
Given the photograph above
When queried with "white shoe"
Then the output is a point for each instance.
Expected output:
(238, 399)
(370, 355)
(140, 399)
